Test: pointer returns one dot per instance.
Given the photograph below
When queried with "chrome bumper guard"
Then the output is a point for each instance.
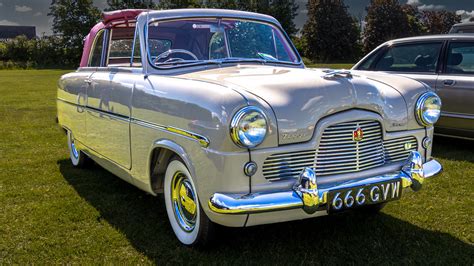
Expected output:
(306, 194)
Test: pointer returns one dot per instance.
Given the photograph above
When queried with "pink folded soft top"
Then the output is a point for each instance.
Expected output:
(107, 19)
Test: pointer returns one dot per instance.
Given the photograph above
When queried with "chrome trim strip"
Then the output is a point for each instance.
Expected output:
(109, 114)
(203, 141)
(311, 197)
(457, 115)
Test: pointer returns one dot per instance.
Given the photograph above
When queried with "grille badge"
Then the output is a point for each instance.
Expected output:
(357, 135)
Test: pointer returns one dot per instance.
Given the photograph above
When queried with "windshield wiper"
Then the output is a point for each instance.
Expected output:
(239, 59)
(186, 62)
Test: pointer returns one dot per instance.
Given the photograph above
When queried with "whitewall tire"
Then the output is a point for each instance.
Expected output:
(78, 158)
(189, 222)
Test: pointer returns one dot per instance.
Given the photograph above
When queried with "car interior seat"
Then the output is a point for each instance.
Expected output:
(385, 64)
(454, 60)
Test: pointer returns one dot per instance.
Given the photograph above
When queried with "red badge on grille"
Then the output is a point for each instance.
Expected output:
(358, 134)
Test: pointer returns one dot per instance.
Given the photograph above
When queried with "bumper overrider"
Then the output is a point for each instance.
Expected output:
(307, 195)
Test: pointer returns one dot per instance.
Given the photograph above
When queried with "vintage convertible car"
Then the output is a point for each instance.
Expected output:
(215, 109)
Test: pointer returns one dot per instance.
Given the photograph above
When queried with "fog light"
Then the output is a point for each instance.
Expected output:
(250, 168)
(427, 142)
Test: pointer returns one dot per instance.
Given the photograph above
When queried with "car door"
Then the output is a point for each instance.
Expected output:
(108, 110)
(455, 86)
(417, 60)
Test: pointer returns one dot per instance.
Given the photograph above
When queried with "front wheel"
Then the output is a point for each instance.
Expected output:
(78, 158)
(189, 222)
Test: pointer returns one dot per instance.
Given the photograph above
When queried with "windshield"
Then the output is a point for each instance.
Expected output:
(196, 41)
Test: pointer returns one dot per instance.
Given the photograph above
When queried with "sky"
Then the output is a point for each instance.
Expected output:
(34, 12)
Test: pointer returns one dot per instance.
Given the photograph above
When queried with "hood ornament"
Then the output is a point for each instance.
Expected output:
(333, 74)
(358, 134)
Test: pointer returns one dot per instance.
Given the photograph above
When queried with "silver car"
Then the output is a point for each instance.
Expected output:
(215, 109)
(443, 62)
(466, 27)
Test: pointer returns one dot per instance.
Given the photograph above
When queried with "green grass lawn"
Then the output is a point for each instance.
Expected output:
(53, 213)
(333, 66)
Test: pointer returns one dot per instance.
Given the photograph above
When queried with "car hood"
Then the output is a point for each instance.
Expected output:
(300, 97)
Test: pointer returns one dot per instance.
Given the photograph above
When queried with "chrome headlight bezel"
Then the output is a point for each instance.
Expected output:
(420, 108)
(235, 126)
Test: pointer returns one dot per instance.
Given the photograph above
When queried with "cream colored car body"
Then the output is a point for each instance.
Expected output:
(131, 120)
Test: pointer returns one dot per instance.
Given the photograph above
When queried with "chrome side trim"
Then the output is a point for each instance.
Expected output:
(108, 114)
(203, 141)
(306, 194)
(457, 115)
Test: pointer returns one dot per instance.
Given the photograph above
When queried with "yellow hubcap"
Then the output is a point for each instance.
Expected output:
(184, 201)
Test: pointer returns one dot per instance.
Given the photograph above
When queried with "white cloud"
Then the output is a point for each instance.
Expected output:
(431, 7)
(413, 2)
(423, 7)
(5, 22)
(22, 8)
(465, 15)
(38, 14)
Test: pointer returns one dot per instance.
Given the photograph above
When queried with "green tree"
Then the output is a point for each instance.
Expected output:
(330, 33)
(72, 20)
(284, 11)
(130, 4)
(439, 22)
(415, 25)
(385, 20)
(172, 4)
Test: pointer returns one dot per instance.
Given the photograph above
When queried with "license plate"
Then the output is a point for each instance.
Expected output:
(354, 197)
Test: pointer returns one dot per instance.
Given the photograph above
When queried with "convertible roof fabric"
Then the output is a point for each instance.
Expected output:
(108, 19)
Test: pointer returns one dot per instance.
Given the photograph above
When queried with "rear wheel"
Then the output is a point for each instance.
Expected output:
(78, 158)
(189, 222)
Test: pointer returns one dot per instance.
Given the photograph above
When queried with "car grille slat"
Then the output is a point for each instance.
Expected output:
(338, 153)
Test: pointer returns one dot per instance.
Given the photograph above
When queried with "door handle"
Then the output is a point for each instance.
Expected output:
(449, 82)
(88, 81)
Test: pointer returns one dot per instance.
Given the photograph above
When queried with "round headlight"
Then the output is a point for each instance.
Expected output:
(428, 109)
(248, 127)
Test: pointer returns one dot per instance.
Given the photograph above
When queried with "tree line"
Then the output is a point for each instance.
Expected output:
(330, 34)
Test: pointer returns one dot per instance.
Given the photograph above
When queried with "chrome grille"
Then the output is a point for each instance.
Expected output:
(396, 149)
(338, 153)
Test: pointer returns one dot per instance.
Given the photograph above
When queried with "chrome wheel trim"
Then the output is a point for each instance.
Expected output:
(74, 153)
(74, 150)
(183, 201)
(185, 237)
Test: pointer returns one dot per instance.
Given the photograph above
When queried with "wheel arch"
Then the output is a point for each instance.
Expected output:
(161, 153)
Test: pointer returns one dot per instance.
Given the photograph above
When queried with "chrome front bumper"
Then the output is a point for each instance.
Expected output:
(307, 195)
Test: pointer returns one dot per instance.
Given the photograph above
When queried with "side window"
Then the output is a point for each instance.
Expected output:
(217, 47)
(137, 58)
(96, 52)
(120, 48)
(280, 48)
(417, 58)
(460, 58)
(368, 63)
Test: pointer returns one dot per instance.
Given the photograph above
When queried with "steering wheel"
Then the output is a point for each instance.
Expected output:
(174, 51)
